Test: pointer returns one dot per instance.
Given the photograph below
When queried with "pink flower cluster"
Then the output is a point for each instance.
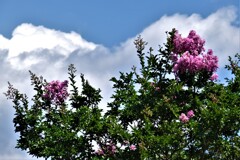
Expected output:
(112, 149)
(108, 149)
(185, 118)
(132, 147)
(99, 152)
(192, 43)
(188, 56)
(56, 91)
(214, 77)
(193, 64)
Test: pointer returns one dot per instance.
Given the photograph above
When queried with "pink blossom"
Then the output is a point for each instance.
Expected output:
(214, 77)
(56, 91)
(193, 43)
(210, 61)
(132, 147)
(190, 114)
(188, 56)
(99, 152)
(113, 149)
(183, 118)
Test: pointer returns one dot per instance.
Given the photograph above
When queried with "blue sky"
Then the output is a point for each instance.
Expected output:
(45, 36)
(106, 22)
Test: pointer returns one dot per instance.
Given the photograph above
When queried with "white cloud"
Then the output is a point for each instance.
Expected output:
(48, 52)
(27, 38)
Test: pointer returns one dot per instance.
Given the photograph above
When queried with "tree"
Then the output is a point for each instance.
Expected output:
(170, 108)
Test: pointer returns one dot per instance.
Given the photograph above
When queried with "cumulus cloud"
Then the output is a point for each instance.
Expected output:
(27, 39)
(48, 52)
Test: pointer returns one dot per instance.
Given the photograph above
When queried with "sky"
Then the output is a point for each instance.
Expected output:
(97, 37)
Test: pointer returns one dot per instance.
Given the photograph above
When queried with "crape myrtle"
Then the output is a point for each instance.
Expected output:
(171, 106)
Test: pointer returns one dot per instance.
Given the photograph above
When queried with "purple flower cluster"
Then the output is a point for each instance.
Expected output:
(193, 43)
(188, 56)
(56, 91)
(112, 149)
(193, 64)
(108, 149)
(185, 118)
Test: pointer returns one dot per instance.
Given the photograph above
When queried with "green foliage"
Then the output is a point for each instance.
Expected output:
(57, 131)
(144, 113)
